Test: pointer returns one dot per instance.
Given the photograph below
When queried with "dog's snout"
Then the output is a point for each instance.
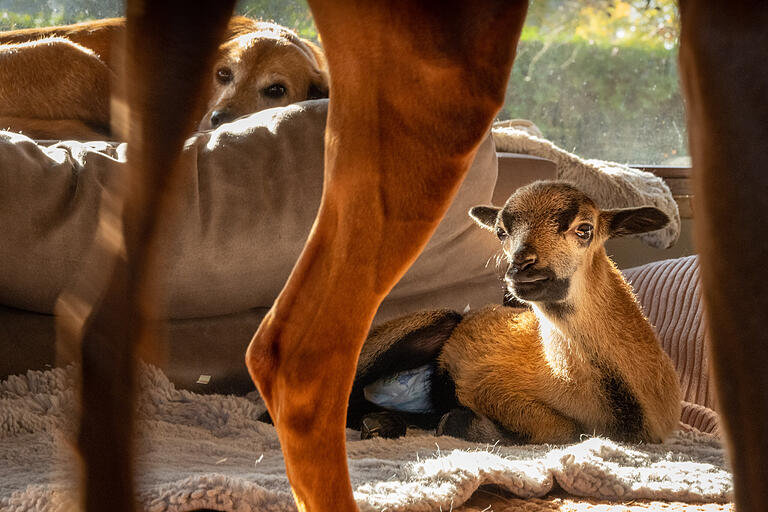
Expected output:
(220, 116)
(523, 258)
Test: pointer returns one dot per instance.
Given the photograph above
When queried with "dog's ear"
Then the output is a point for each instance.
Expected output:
(632, 221)
(485, 216)
(317, 53)
(319, 86)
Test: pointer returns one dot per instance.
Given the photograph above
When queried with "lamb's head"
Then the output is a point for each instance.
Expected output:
(552, 234)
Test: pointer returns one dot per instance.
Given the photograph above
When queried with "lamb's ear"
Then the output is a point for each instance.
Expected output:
(632, 221)
(485, 216)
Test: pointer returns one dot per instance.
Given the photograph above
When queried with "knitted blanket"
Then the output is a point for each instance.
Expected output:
(209, 451)
(609, 184)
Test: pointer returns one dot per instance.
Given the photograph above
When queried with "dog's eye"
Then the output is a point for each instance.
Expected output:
(584, 231)
(501, 233)
(224, 75)
(275, 91)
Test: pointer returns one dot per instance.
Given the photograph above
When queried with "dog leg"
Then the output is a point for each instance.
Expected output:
(168, 48)
(726, 85)
(415, 86)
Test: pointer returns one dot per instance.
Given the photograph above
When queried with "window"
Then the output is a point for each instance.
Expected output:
(599, 78)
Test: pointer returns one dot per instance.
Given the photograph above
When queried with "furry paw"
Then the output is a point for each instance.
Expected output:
(456, 423)
(464, 423)
(388, 425)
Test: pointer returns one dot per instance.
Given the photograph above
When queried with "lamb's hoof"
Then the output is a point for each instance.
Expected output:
(388, 425)
(456, 423)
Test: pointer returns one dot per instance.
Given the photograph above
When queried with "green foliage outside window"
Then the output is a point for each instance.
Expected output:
(599, 77)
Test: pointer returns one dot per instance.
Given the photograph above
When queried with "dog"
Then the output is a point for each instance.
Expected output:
(416, 86)
(55, 82)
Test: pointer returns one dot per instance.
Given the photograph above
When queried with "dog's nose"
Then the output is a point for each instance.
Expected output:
(220, 116)
(524, 258)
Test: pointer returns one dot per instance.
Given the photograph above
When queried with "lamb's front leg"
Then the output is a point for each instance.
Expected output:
(534, 423)
(397, 147)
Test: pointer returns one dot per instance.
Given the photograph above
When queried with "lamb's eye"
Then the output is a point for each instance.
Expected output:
(224, 75)
(501, 233)
(275, 91)
(584, 231)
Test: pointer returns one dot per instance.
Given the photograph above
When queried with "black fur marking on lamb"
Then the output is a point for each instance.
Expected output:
(627, 411)
(417, 348)
(565, 217)
(559, 309)
(443, 391)
(508, 219)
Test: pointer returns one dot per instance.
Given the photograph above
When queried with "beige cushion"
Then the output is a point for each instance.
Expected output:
(248, 199)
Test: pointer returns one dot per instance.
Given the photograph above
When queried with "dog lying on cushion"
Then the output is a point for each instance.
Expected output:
(55, 82)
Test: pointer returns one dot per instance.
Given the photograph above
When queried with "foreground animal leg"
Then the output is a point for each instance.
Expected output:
(168, 48)
(726, 83)
(415, 86)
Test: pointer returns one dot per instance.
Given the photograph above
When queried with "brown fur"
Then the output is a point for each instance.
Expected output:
(269, 54)
(542, 373)
(64, 75)
(33, 90)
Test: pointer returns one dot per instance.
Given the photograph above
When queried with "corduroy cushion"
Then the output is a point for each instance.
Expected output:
(670, 293)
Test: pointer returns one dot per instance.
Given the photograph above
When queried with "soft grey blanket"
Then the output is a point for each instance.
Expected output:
(209, 451)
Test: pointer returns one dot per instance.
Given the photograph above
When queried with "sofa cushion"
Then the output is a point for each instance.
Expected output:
(670, 293)
(248, 198)
(247, 201)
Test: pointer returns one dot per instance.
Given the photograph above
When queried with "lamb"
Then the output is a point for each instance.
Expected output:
(583, 359)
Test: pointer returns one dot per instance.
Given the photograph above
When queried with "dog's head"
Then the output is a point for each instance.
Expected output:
(268, 67)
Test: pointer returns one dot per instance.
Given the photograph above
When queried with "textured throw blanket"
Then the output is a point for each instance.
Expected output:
(209, 451)
(610, 184)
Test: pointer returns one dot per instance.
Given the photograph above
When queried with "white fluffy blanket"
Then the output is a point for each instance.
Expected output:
(609, 184)
(208, 451)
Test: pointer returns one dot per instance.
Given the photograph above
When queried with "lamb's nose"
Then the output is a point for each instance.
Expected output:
(523, 259)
